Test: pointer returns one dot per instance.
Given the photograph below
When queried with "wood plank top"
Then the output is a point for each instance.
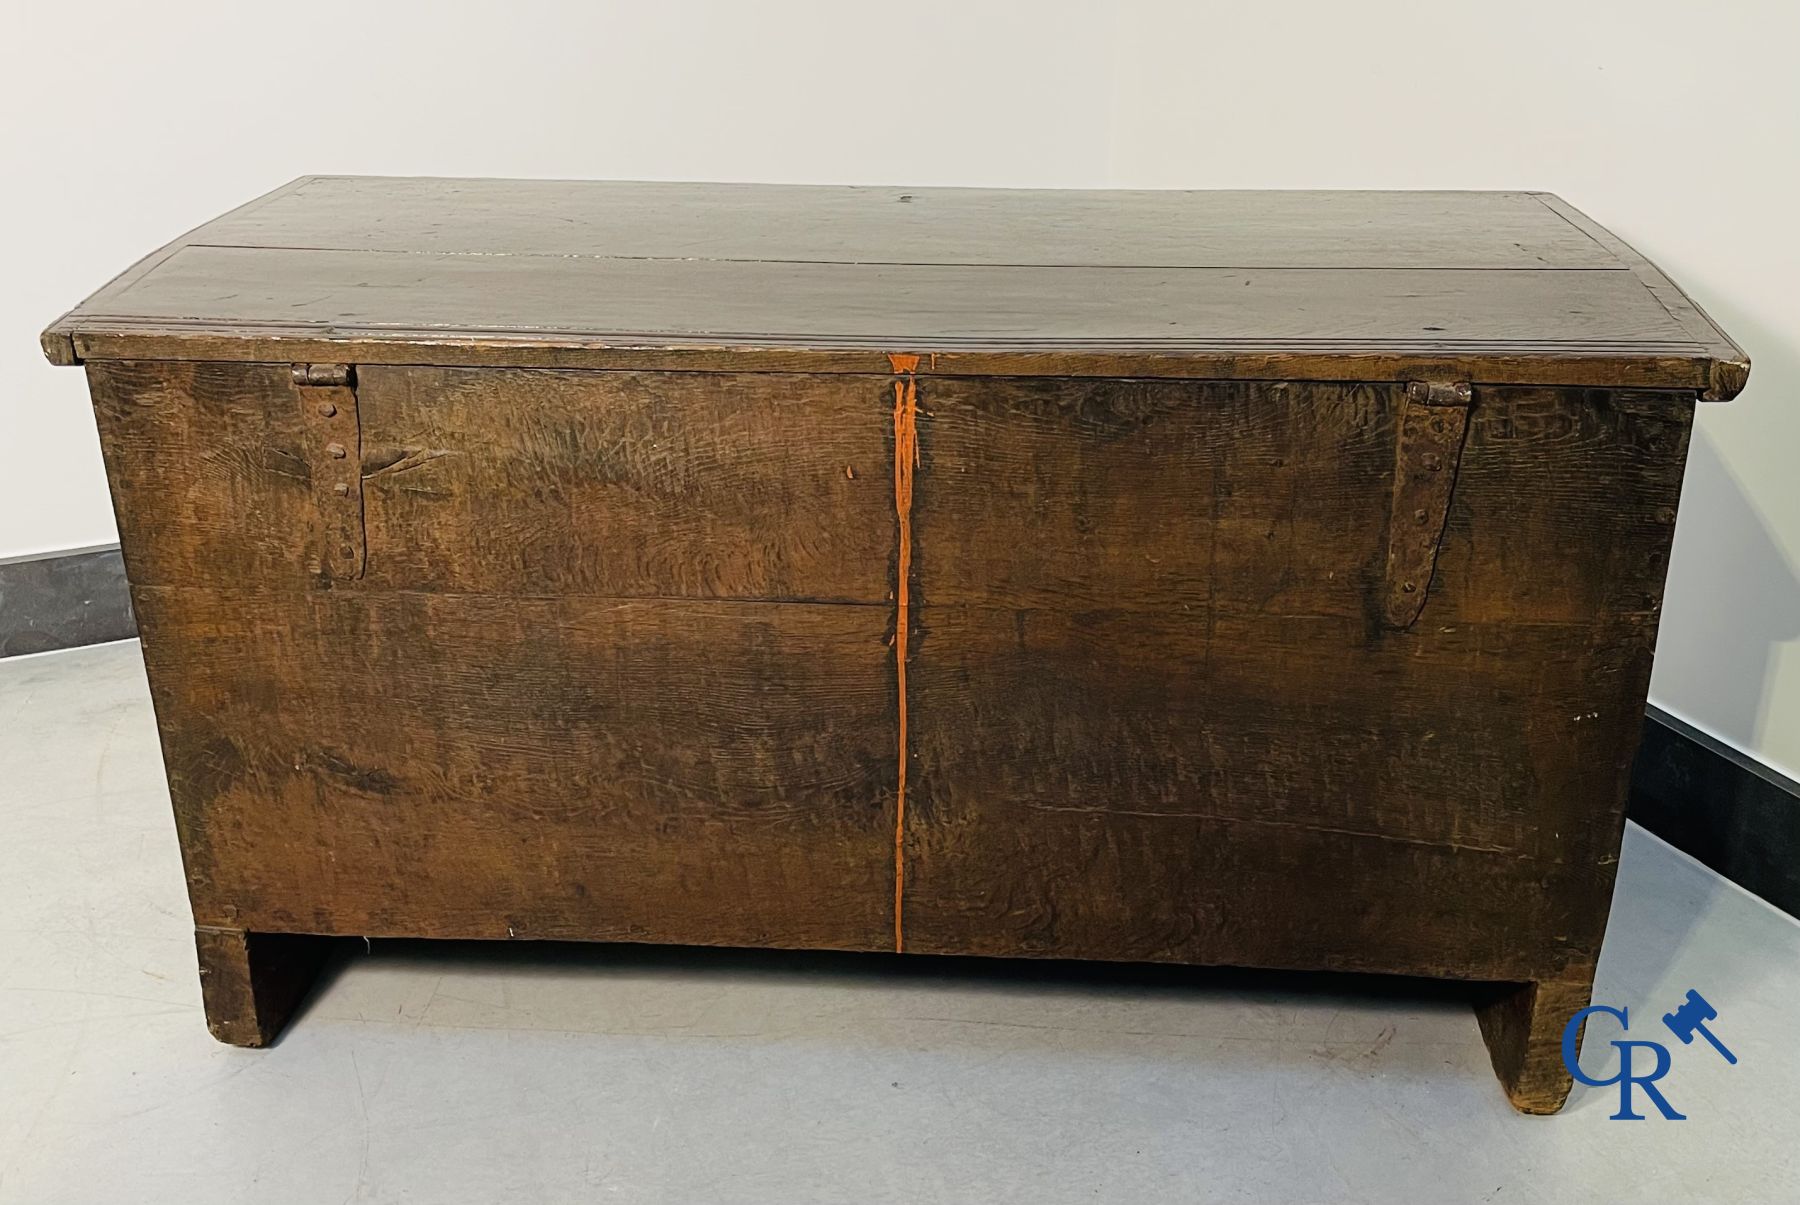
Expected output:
(1486, 286)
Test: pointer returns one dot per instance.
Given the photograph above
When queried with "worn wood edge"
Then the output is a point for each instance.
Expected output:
(1675, 372)
(1728, 369)
(58, 340)
(504, 337)
(1477, 976)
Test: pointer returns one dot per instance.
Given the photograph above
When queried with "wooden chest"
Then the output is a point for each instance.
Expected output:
(1244, 578)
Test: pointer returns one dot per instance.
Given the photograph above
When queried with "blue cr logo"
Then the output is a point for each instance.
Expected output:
(1688, 1019)
(1625, 1079)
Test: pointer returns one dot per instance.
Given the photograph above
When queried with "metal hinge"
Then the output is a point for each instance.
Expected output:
(338, 545)
(1434, 416)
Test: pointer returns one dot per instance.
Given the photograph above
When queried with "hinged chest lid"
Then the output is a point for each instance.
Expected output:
(1477, 286)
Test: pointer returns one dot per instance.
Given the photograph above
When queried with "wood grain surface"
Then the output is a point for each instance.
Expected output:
(1144, 613)
(767, 486)
(447, 765)
(896, 225)
(1224, 285)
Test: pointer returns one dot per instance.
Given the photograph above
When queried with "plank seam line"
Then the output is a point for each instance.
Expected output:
(464, 253)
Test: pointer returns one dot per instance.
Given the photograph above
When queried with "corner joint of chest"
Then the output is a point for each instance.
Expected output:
(1433, 418)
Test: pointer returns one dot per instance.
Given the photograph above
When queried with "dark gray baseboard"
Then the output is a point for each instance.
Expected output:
(63, 600)
(1701, 796)
(1725, 810)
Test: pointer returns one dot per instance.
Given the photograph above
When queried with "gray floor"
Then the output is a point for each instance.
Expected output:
(521, 1073)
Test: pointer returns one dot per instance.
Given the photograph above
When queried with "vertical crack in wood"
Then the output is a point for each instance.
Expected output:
(906, 459)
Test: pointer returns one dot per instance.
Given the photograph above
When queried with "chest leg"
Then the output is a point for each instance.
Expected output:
(251, 983)
(1522, 1024)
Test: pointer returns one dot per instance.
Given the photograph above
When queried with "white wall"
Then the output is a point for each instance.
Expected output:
(1676, 124)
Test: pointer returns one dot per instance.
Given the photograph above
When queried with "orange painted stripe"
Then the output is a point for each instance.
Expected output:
(906, 459)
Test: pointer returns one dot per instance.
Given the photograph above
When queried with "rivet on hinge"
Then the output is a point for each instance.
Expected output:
(1427, 450)
(328, 412)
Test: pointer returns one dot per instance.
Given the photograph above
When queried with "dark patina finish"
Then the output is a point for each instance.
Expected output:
(1233, 578)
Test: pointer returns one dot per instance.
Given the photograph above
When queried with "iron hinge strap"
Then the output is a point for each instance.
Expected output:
(1434, 417)
(328, 416)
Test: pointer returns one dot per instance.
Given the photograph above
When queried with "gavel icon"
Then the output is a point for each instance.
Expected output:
(1691, 1018)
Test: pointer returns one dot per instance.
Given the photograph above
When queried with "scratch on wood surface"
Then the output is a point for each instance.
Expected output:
(394, 461)
(906, 459)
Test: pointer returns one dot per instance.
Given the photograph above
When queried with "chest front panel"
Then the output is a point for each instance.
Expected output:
(622, 656)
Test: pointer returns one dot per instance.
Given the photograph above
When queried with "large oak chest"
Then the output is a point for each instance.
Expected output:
(1245, 578)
